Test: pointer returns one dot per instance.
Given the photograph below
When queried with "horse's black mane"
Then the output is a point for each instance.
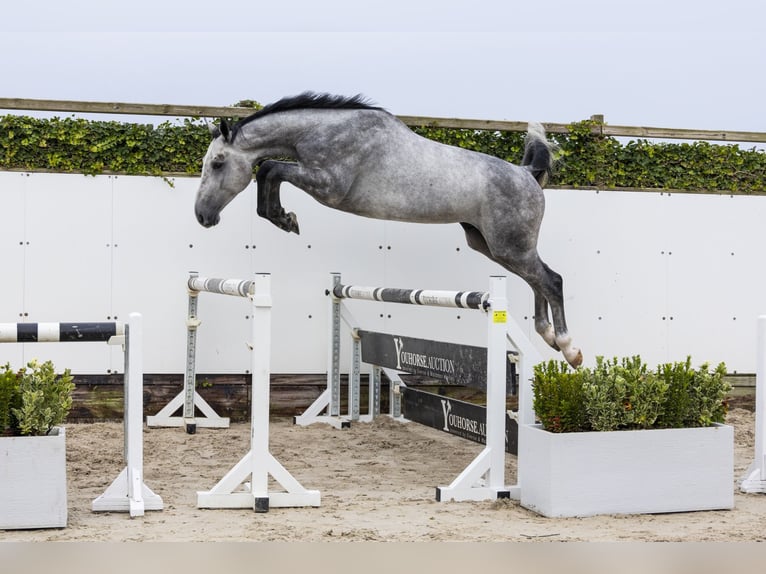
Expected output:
(311, 100)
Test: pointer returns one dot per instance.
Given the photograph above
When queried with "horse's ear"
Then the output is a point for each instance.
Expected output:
(224, 127)
(214, 131)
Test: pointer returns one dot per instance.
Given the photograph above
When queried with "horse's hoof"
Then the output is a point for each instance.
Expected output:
(573, 355)
(292, 224)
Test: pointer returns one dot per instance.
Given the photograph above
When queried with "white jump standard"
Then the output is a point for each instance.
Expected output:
(754, 480)
(232, 491)
(189, 398)
(127, 493)
(484, 478)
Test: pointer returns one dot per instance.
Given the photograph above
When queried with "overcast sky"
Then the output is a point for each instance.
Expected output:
(684, 63)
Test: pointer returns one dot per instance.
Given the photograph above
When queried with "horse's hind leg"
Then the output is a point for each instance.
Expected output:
(542, 323)
(547, 287)
(544, 280)
(268, 179)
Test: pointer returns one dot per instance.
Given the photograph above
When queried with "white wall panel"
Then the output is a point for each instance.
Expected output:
(744, 288)
(715, 287)
(158, 241)
(12, 239)
(659, 275)
(68, 236)
(329, 241)
(653, 274)
(609, 249)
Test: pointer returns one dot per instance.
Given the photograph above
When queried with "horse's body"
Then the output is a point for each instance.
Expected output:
(360, 159)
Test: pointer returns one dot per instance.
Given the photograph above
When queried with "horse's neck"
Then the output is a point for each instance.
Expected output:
(274, 134)
(279, 134)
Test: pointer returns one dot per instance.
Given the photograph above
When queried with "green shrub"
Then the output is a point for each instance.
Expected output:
(625, 394)
(709, 390)
(605, 392)
(10, 399)
(559, 397)
(679, 379)
(622, 394)
(34, 399)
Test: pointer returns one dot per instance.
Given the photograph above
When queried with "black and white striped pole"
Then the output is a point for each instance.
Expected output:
(127, 492)
(427, 297)
(59, 332)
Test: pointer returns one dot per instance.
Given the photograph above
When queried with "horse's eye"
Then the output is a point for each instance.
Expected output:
(216, 164)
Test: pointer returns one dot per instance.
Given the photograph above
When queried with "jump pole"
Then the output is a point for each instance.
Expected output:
(754, 480)
(189, 398)
(258, 464)
(127, 493)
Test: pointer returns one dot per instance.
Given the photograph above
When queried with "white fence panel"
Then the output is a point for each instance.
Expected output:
(12, 246)
(663, 276)
(608, 248)
(67, 262)
(158, 242)
(300, 266)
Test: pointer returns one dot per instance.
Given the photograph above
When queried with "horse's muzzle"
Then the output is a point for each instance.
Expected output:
(207, 221)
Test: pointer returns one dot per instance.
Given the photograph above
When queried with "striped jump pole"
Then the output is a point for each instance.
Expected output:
(258, 464)
(59, 332)
(127, 493)
(431, 298)
(234, 287)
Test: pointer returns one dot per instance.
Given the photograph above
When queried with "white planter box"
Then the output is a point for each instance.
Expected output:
(33, 481)
(626, 472)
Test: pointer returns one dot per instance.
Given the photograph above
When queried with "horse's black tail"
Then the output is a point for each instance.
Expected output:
(538, 153)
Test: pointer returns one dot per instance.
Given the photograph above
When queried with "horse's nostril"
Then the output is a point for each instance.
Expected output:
(207, 221)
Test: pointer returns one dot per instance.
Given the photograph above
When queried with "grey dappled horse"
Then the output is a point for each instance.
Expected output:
(352, 156)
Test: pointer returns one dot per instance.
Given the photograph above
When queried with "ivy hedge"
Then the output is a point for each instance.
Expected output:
(92, 147)
(76, 145)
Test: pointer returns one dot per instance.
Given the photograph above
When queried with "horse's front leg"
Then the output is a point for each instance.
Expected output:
(269, 206)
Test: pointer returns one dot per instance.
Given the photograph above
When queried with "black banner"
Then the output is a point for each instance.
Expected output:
(459, 418)
(449, 362)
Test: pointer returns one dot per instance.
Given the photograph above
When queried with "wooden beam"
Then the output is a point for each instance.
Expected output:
(492, 125)
(412, 121)
(686, 134)
(124, 108)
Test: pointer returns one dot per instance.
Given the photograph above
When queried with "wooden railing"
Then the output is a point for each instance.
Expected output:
(413, 121)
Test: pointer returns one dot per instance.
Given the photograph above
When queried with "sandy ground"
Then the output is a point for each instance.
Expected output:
(377, 484)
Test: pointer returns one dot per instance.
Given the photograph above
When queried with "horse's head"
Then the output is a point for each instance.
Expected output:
(226, 171)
